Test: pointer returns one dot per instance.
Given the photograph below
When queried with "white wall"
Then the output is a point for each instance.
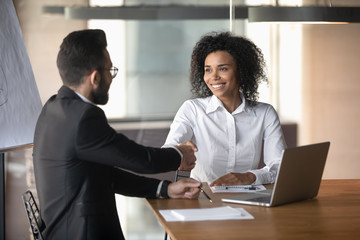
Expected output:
(331, 99)
(43, 35)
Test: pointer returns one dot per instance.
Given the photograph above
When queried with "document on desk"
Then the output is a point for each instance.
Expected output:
(205, 214)
(237, 188)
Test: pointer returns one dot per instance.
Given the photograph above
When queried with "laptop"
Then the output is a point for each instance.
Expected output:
(298, 178)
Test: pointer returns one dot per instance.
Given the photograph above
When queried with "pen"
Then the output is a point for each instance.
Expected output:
(207, 196)
(248, 188)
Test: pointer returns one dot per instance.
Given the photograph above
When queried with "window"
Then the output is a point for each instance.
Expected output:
(153, 57)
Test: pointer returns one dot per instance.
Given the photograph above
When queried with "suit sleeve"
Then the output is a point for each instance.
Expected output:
(96, 141)
(133, 185)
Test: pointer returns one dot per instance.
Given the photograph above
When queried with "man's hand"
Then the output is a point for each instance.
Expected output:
(188, 161)
(235, 179)
(184, 188)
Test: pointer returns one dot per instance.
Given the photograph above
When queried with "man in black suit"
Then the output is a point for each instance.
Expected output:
(80, 162)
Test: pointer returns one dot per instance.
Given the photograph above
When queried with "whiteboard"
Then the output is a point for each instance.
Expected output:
(20, 103)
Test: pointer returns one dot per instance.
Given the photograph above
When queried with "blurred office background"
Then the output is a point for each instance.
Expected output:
(313, 83)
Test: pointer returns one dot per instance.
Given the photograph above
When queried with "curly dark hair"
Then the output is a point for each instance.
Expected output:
(248, 57)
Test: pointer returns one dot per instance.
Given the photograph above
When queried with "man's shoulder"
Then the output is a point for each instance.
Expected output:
(69, 107)
(65, 101)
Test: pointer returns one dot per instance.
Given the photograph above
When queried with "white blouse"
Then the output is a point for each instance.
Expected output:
(229, 142)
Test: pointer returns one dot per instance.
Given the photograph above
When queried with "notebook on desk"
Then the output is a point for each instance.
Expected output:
(298, 178)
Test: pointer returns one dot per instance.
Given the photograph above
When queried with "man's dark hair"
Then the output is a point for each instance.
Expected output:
(81, 52)
(248, 57)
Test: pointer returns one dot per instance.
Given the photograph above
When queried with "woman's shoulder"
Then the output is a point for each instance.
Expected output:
(262, 107)
(193, 107)
(197, 102)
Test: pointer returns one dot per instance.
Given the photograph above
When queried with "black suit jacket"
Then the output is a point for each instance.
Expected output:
(77, 161)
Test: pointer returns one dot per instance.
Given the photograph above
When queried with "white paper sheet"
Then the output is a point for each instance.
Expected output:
(205, 214)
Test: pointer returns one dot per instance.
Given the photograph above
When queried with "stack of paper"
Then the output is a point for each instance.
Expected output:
(202, 214)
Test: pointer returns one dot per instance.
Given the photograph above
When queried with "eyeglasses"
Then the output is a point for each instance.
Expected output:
(113, 71)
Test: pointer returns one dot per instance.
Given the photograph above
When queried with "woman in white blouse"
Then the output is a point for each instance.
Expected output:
(230, 128)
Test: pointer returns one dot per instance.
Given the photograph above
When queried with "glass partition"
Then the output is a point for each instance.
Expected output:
(153, 57)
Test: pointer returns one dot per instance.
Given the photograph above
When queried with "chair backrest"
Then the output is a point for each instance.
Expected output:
(33, 214)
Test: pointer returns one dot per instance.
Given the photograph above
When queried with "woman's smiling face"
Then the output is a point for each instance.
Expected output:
(220, 75)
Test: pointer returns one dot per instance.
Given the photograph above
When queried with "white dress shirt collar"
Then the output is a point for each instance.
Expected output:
(84, 98)
(215, 103)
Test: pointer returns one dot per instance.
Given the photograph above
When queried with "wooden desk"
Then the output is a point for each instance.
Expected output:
(334, 214)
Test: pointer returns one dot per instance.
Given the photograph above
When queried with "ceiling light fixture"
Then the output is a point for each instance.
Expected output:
(305, 14)
(149, 12)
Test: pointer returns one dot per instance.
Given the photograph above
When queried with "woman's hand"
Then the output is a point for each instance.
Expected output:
(235, 179)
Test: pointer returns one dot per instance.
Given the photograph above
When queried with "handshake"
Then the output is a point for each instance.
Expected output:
(188, 161)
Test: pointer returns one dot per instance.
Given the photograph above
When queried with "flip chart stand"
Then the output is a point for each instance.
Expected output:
(2, 197)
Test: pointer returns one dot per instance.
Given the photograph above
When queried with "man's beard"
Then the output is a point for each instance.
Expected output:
(100, 94)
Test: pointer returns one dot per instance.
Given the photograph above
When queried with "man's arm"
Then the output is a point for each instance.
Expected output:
(184, 188)
(129, 184)
(97, 142)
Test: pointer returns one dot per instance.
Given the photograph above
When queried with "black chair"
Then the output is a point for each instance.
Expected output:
(33, 214)
(178, 175)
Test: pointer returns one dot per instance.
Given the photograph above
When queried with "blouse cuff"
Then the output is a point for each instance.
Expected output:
(258, 180)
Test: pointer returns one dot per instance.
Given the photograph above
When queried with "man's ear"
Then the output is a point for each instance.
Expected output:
(95, 78)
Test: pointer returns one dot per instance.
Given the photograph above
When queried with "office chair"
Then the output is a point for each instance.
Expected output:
(33, 214)
(178, 175)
